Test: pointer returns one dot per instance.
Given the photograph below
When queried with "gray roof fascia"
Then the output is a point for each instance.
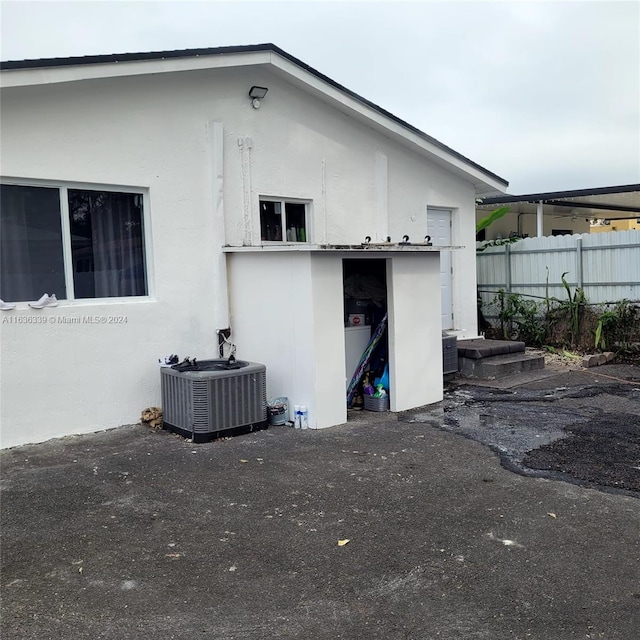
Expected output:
(550, 196)
(601, 206)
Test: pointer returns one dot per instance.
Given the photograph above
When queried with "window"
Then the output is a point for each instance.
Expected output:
(75, 243)
(283, 221)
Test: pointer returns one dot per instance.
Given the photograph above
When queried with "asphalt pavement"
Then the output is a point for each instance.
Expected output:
(391, 526)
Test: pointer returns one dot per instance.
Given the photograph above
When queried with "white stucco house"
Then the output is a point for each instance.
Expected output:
(161, 203)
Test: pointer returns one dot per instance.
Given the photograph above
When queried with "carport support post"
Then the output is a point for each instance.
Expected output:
(539, 219)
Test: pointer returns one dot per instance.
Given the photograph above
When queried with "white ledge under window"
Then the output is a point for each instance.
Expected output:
(382, 247)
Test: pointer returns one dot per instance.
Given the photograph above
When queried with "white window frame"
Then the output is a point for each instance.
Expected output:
(283, 202)
(63, 188)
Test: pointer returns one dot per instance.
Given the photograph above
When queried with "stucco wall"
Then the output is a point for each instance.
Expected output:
(154, 132)
(287, 310)
(415, 344)
(271, 302)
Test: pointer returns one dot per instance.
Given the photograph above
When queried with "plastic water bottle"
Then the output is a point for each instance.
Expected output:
(304, 417)
(296, 416)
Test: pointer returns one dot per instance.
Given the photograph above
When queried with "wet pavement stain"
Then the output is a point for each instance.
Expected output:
(588, 435)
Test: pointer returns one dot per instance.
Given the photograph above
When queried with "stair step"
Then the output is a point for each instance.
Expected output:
(500, 366)
(477, 348)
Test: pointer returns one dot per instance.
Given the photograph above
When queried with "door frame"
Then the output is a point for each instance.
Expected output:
(448, 257)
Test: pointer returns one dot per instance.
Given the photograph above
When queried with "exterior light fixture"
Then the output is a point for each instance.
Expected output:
(256, 94)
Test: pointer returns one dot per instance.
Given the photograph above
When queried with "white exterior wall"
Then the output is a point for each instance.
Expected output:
(267, 327)
(409, 195)
(292, 319)
(328, 341)
(415, 343)
(155, 133)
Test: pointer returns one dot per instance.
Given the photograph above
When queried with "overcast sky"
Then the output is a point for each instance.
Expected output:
(545, 94)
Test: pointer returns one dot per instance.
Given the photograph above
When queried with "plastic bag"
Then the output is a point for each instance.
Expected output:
(383, 379)
(380, 392)
(367, 387)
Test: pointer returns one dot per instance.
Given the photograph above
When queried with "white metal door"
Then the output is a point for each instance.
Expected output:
(439, 228)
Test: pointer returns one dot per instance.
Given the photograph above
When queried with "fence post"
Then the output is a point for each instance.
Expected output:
(579, 261)
(507, 266)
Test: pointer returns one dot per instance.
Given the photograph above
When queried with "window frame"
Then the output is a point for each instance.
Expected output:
(67, 257)
(283, 202)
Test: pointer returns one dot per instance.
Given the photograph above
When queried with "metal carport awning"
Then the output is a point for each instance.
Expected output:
(620, 202)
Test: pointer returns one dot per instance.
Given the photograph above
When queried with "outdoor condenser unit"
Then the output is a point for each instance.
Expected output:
(214, 397)
(449, 354)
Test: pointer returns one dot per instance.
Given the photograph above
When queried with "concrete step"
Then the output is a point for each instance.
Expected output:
(477, 348)
(501, 366)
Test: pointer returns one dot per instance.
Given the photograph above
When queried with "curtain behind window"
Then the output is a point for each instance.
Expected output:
(107, 244)
(31, 261)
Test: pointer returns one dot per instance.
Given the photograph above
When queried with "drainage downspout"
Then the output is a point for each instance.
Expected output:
(215, 135)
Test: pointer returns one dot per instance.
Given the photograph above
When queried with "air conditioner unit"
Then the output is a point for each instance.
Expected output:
(449, 354)
(215, 398)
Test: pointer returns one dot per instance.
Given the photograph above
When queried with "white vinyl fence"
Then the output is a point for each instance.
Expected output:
(605, 265)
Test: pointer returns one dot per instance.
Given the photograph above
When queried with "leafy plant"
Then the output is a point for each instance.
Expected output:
(617, 325)
(600, 341)
(491, 218)
(520, 318)
(570, 324)
(607, 321)
(574, 305)
(498, 242)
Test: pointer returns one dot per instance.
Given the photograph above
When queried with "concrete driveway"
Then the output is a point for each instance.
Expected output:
(132, 534)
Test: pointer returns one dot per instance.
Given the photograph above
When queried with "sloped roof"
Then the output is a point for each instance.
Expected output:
(496, 183)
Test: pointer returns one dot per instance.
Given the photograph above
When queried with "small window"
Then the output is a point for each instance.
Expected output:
(99, 253)
(283, 221)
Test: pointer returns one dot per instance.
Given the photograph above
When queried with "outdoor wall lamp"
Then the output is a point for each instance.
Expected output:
(256, 94)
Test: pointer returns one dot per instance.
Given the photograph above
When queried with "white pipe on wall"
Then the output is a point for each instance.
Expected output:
(215, 132)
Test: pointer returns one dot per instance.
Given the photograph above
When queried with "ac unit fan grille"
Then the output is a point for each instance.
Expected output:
(449, 354)
(209, 402)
